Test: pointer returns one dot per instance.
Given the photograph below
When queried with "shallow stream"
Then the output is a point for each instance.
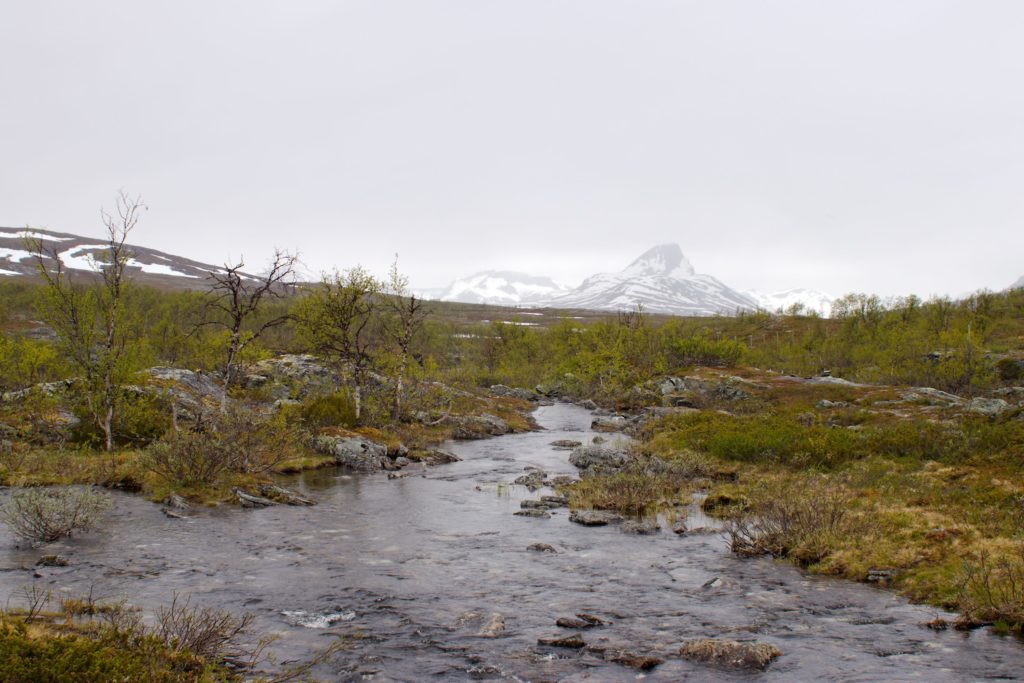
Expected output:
(409, 571)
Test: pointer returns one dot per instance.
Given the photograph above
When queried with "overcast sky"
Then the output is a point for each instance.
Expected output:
(846, 146)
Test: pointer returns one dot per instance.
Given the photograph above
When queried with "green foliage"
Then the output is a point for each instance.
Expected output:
(43, 515)
(334, 410)
(24, 362)
(102, 654)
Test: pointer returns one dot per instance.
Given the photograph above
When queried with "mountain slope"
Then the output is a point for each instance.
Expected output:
(503, 288)
(662, 280)
(147, 266)
(1019, 284)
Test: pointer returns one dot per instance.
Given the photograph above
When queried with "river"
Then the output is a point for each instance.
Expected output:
(407, 572)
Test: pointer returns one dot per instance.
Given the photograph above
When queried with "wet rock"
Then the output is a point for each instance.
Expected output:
(936, 624)
(173, 514)
(438, 457)
(52, 561)
(574, 641)
(594, 517)
(632, 659)
(711, 584)
(532, 512)
(478, 426)
(555, 501)
(730, 654)
(580, 621)
(512, 392)
(561, 480)
(494, 627)
(641, 527)
(565, 444)
(353, 451)
(599, 458)
(679, 527)
(279, 494)
(587, 404)
(534, 505)
(541, 548)
(598, 440)
(990, 407)
(247, 500)
(613, 423)
(398, 475)
(533, 480)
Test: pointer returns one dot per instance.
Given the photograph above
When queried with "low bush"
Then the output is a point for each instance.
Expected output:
(42, 515)
(239, 441)
(803, 521)
(992, 590)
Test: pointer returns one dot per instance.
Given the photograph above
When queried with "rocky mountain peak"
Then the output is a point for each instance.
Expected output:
(661, 260)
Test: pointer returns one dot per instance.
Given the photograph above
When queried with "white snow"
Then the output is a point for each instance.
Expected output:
(14, 254)
(782, 300)
(159, 269)
(8, 272)
(33, 235)
(506, 288)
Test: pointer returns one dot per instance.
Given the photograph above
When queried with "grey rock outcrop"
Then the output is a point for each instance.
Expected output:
(353, 451)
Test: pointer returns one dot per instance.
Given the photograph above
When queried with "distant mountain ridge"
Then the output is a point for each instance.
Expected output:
(503, 287)
(786, 299)
(661, 280)
(148, 266)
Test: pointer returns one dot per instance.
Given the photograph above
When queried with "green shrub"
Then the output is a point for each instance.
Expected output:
(334, 410)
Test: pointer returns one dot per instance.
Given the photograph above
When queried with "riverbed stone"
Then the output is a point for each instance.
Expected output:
(730, 654)
(594, 517)
(533, 480)
(467, 427)
(599, 459)
(611, 423)
(541, 548)
(632, 659)
(575, 641)
(532, 512)
(353, 451)
(641, 527)
(565, 444)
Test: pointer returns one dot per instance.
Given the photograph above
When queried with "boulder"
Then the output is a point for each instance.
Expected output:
(596, 459)
(478, 426)
(533, 480)
(730, 654)
(565, 444)
(990, 407)
(612, 423)
(580, 621)
(587, 404)
(594, 517)
(353, 451)
(513, 392)
(295, 376)
(532, 512)
(192, 392)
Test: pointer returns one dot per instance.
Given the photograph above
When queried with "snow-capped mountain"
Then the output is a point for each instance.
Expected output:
(1019, 284)
(662, 280)
(783, 300)
(148, 266)
(503, 288)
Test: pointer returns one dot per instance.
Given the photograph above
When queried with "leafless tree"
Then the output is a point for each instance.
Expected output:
(235, 298)
(90, 321)
(408, 313)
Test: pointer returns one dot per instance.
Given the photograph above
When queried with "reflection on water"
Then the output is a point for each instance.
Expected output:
(413, 573)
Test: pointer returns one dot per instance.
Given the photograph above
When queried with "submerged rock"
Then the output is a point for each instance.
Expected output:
(52, 561)
(641, 527)
(533, 480)
(565, 444)
(532, 512)
(541, 548)
(594, 517)
(580, 621)
(574, 641)
(730, 654)
(494, 627)
(632, 659)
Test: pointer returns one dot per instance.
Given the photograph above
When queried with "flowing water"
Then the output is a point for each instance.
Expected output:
(408, 572)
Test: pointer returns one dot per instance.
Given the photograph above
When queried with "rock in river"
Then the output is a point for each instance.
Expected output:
(594, 517)
(599, 458)
(730, 654)
(574, 641)
(353, 451)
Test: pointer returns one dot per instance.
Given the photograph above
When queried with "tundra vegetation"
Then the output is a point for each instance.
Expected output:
(885, 443)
